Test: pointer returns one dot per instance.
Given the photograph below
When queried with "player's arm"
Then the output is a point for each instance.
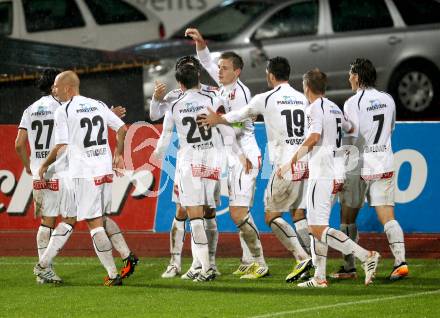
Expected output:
(20, 148)
(203, 54)
(119, 111)
(116, 124)
(165, 137)
(351, 117)
(250, 110)
(53, 155)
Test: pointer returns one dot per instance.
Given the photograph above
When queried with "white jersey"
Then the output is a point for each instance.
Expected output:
(38, 120)
(373, 115)
(158, 109)
(82, 124)
(235, 95)
(325, 118)
(283, 109)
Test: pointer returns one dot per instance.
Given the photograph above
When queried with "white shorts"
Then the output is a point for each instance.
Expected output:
(379, 191)
(195, 190)
(320, 199)
(241, 186)
(93, 197)
(283, 195)
(54, 197)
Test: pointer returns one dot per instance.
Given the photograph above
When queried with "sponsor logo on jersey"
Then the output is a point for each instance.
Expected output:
(375, 104)
(86, 108)
(41, 111)
(289, 100)
(192, 107)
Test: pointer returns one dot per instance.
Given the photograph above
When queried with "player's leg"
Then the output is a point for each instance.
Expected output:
(44, 233)
(211, 229)
(177, 236)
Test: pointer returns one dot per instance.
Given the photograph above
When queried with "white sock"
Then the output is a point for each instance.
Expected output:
(319, 257)
(59, 237)
(302, 229)
(249, 232)
(287, 236)
(195, 262)
(200, 242)
(43, 238)
(352, 232)
(114, 233)
(342, 243)
(395, 239)
(212, 236)
(103, 248)
(177, 236)
(246, 257)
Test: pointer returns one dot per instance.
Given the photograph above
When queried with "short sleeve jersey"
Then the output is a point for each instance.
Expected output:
(195, 140)
(325, 118)
(373, 115)
(38, 120)
(82, 124)
(283, 109)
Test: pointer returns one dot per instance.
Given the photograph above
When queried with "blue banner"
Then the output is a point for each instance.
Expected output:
(416, 151)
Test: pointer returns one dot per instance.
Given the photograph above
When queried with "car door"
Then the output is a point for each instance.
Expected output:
(59, 22)
(290, 32)
(360, 29)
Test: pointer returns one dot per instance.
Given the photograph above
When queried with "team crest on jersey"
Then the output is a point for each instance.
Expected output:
(375, 104)
(41, 111)
(232, 95)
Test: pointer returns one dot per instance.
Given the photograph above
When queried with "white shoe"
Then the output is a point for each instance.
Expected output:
(216, 271)
(191, 274)
(171, 271)
(47, 274)
(370, 266)
(313, 282)
(205, 276)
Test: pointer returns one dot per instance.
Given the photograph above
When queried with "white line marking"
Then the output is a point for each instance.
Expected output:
(366, 301)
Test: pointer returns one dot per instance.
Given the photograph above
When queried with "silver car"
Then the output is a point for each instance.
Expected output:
(401, 37)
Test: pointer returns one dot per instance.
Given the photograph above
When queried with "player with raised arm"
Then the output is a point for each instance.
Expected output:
(373, 114)
(283, 109)
(241, 185)
(325, 124)
(81, 132)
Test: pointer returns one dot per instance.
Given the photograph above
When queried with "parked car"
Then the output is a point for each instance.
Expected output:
(105, 25)
(401, 37)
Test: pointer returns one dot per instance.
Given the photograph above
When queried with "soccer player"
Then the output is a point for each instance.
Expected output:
(283, 110)
(326, 123)
(241, 185)
(52, 197)
(200, 158)
(159, 107)
(81, 132)
(373, 114)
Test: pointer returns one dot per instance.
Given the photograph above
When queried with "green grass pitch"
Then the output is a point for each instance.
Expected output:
(145, 294)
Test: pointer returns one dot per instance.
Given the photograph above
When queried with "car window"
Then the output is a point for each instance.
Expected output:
(353, 15)
(46, 15)
(225, 21)
(419, 12)
(5, 18)
(294, 20)
(114, 11)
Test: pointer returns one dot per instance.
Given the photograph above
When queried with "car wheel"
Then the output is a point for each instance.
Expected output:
(415, 90)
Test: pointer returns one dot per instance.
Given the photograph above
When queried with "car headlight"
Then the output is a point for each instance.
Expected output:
(155, 70)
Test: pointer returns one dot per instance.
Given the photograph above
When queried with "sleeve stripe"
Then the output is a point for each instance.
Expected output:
(244, 93)
(267, 98)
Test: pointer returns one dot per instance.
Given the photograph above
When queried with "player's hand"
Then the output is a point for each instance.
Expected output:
(28, 169)
(195, 35)
(210, 119)
(156, 159)
(118, 165)
(247, 164)
(159, 91)
(283, 169)
(41, 172)
(119, 111)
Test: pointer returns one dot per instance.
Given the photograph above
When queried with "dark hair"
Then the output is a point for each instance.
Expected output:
(279, 67)
(316, 81)
(188, 76)
(188, 59)
(237, 61)
(365, 71)
(46, 79)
